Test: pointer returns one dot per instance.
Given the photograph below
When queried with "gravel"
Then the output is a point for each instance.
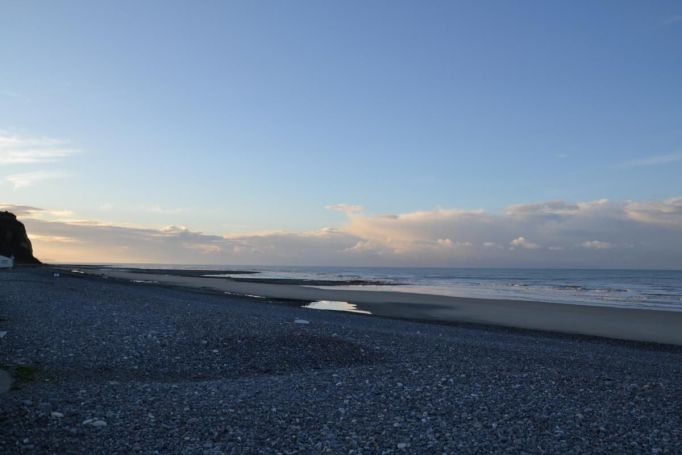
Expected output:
(107, 367)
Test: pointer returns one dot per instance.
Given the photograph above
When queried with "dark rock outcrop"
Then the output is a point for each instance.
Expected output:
(14, 241)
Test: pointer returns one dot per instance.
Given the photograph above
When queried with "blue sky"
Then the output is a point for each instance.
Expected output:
(243, 117)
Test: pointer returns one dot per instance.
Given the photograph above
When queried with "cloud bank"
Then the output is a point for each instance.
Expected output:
(602, 233)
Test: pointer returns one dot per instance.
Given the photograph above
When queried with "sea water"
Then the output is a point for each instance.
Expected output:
(624, 288)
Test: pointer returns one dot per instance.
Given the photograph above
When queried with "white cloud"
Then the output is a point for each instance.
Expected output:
(553, 208)
(345, 208)
(204, 248)
(174, 229)
(27, 179)
(447, 243)
(412, 233)
(21, 210)
(363, 246)
(52, 238)
(161, 210)
(596, 245)
(522, 242)
(16, 149)
(654, 160)
(666, 212)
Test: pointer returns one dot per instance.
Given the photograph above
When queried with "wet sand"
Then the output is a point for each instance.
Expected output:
(621, 323)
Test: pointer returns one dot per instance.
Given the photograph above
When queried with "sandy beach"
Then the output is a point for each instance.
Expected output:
(621, 323)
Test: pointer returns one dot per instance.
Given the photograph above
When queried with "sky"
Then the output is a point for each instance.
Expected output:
(486, 133)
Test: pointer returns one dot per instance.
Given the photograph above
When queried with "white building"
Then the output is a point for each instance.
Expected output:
(6, 263)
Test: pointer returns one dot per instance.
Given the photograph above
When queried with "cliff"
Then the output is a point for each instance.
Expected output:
(14, 241)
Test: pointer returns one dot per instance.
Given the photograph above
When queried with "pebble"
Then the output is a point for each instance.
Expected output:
(95, 422)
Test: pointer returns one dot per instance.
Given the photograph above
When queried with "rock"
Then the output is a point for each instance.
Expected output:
(14, 241)
(95, 423)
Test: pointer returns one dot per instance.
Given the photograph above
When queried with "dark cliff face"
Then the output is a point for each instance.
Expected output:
(14, 241)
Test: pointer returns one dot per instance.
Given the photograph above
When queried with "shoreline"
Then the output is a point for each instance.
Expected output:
(642, 325)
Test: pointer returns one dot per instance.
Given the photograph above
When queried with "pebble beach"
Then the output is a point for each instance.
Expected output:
(105, 366)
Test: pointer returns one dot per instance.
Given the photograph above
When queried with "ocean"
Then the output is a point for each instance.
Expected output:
(661, 289)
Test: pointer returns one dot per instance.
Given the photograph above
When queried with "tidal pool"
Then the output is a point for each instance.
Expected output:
(335, 305)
